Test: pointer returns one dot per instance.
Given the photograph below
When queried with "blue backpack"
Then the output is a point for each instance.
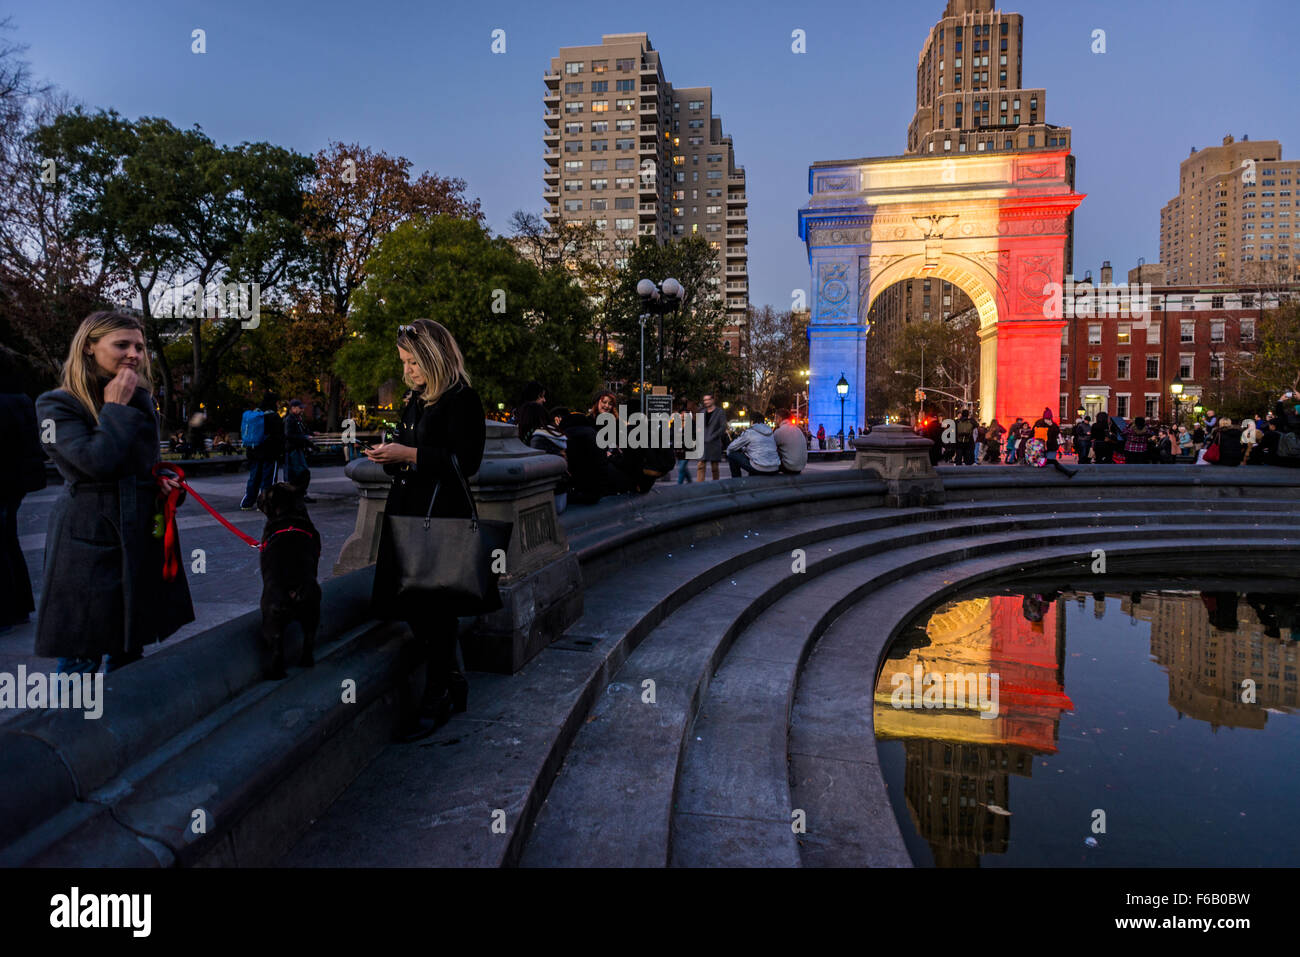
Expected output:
(252, 428)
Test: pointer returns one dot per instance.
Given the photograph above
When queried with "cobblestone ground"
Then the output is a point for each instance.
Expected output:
(232, 584)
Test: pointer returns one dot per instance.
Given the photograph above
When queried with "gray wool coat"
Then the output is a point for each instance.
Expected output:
(104, 591)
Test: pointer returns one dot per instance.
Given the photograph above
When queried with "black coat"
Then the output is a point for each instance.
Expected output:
(25, 469)
(453, 424)
(104, 592)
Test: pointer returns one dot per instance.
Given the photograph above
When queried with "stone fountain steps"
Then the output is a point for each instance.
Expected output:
(470, 793)
(611, 805)
(496, 763)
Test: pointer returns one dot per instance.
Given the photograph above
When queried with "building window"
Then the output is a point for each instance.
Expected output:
(623, 144)
(1187, 366)
(1248, 330)
(1121, 406)
(1094, 368)
(623, 202)
(1124, 335)
(572, 68)
(599, 146)
(1216, 330)
(1153, 367)
(1153, 334)
(623, 224)
(1122, 367)
(1187, 331)
(599, 184)
(600, 106)
(625, 106)
(625, 65)
(1065, 367)
(1216, 367)
(695, 105)
(598, 204)
(1247, 301)
(1152, 406)
(572, 185)
(600, 86)
(572, 89)
(599, 66)
(1216, 302)
(1094, 334)
(572, 205)
(573, 146)
(574, 106)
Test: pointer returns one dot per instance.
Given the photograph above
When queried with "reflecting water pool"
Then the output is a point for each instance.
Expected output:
(1154, 728)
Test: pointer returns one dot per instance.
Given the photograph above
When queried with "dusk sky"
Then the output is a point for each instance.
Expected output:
(420, 80)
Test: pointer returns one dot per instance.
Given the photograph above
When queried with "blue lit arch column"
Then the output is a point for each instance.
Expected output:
(837, 337)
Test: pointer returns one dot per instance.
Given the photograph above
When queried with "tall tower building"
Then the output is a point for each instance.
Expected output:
(1232, 220)
(969, 93)
(969, 99)
(626, 150)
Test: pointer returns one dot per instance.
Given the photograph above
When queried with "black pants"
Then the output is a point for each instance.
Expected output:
(435, 643)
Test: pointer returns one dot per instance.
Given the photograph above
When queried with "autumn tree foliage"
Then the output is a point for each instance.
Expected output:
(357, 197)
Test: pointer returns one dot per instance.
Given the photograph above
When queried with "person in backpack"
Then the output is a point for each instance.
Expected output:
(262, 433)
(965, 440)
(1049, 433)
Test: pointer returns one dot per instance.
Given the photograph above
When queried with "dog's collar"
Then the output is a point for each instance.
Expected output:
(287, 528)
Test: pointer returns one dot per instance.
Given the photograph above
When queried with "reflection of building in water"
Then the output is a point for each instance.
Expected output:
(1207, 665)
(957, 762)
(948, 789)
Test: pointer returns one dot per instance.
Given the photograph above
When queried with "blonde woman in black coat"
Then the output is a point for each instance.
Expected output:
(441, 415)
(104, 590)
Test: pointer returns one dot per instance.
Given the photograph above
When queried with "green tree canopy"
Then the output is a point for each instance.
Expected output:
(512, 321)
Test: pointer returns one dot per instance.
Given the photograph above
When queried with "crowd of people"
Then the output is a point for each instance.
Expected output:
(595, 469)
(1269, 438)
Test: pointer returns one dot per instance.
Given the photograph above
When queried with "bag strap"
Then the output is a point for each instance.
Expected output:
(473, 508)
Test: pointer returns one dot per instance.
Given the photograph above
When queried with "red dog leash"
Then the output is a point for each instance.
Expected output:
(171, 536)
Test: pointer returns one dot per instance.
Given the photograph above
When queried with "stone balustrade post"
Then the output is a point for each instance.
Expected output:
(901, 459)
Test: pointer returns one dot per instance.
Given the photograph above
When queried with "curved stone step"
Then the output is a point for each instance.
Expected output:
(225, 791)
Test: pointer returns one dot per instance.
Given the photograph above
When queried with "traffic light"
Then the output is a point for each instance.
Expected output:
(920, 395)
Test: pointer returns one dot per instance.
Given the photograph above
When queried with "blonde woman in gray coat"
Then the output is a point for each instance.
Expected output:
(104, 591)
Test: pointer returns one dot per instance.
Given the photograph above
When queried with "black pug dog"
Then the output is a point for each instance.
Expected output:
(290, 555)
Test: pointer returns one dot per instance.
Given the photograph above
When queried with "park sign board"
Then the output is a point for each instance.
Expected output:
(662, 404)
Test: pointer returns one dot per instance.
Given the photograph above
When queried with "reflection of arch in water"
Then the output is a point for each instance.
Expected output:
(985, 635)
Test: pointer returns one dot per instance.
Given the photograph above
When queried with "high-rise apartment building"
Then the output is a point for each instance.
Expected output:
(1236, 217)
(627, 151)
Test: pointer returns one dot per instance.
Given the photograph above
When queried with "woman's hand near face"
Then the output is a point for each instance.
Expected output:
(391, 452)
(122, 386)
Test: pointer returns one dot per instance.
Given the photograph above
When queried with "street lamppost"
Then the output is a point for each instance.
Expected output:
(656, 299)
(1176, 390)
(842, 387)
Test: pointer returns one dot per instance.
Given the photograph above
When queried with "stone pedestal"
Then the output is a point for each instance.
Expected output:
(541, 590)
(362, 546)
(901, 459)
